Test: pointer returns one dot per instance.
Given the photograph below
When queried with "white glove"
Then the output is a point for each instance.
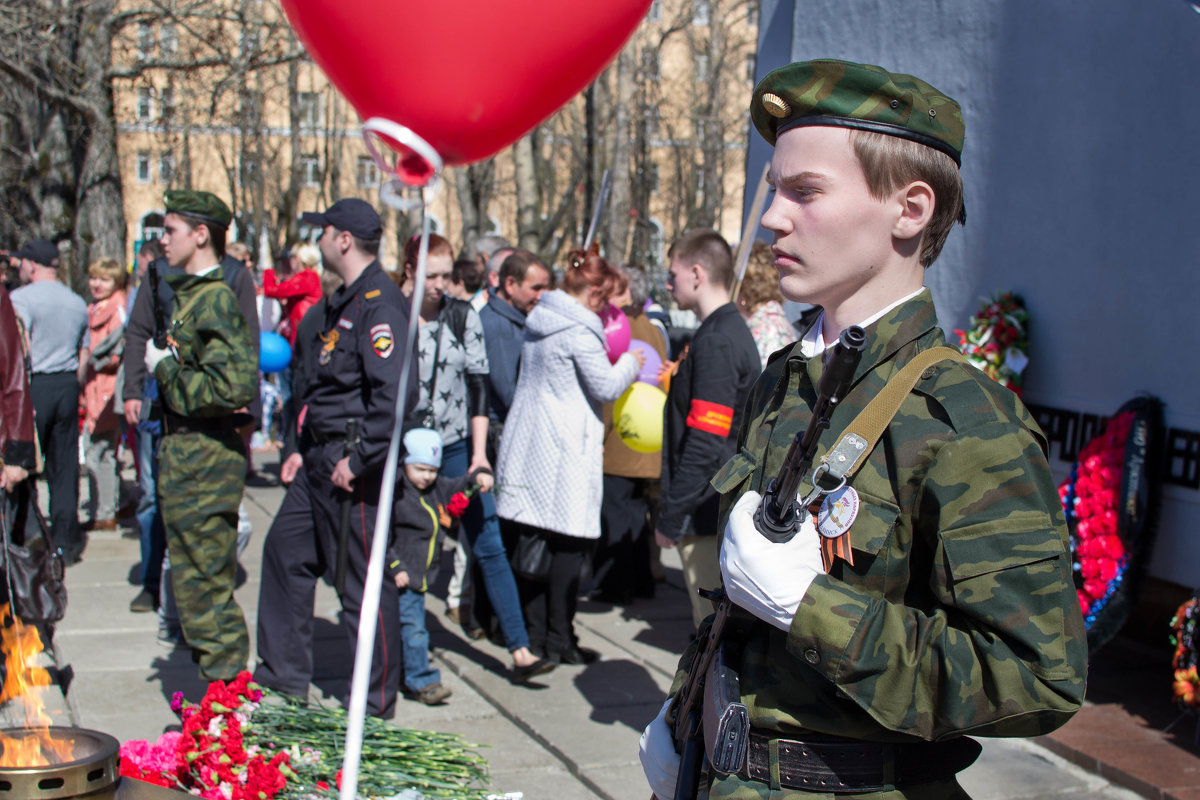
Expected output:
(154, 354)
(660, 762)
(768, 579)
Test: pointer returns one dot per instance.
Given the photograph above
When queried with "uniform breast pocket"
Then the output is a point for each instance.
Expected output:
(873, 525)
(338, 360)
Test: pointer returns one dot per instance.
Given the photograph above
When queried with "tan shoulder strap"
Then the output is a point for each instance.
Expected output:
(861, 435)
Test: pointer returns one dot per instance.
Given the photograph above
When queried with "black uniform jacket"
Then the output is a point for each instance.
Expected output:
(354, 367)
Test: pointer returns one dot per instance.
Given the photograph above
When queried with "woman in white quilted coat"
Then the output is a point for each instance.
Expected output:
(549, 472)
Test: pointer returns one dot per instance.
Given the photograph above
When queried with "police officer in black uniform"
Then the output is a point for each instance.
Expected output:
(354, 371)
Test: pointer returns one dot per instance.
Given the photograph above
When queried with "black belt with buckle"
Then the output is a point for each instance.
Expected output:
(850, 766)
(209, 426)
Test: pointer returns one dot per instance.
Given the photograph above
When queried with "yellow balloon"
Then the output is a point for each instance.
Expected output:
(638, 417)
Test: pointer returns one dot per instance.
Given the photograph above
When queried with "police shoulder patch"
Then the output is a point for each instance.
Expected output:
(382, 341)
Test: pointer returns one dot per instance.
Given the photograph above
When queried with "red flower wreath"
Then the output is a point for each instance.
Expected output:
(1089, 497)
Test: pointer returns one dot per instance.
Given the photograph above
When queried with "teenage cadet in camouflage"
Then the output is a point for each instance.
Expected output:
(206, 376)
(956, 613)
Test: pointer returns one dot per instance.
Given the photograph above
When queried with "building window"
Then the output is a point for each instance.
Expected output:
(654, 255)
(655, 13)
(143, 167)
(368, 173)
(166, 168)
(308, 110)
(700, 65)
(167, 104)
(751, 65)
(248, 42)
(169, 39)
(310, 167)
(248, 172)
(649, 176)
(651, 123)
(145, 40)
(145, 104)
(752, 13)
(651, 64)
(701, 12)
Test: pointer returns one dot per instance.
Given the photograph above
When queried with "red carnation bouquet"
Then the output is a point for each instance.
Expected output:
(210, 758)
(999, 340)
(234, 747)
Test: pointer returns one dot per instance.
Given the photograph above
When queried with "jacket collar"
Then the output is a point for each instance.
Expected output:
(182, 281)
(345, 294)
(503, 308)
(899, 328)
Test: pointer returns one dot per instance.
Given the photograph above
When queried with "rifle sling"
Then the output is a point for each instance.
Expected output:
(862, 434)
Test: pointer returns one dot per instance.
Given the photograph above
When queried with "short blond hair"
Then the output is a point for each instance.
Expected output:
(108, 268)
(889, 162)
(309, 255)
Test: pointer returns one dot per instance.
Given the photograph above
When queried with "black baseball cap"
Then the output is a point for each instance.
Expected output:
(349, 214)
(39, 251)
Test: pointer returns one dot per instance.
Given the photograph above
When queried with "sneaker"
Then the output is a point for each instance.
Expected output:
(171, 636)
(434, 694)
(143, 602)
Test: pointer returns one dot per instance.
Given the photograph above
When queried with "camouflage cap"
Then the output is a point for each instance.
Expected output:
(843, 94)
(202, 205)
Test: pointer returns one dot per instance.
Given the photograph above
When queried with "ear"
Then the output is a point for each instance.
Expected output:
(915, 204)
(206, 238)
(700, 274)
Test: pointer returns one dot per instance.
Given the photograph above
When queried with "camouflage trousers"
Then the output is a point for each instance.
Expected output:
(200, 483)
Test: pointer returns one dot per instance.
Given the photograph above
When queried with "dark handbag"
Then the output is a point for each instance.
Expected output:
(531, 557)
(34, 575)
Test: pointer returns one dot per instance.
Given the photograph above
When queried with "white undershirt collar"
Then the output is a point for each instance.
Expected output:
(813, 342)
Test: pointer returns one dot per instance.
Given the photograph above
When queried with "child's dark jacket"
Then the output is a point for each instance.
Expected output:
(417, 529)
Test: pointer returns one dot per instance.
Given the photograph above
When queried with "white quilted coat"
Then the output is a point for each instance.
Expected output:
(549, 471)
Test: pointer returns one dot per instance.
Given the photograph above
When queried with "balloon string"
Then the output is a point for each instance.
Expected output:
(367, 621)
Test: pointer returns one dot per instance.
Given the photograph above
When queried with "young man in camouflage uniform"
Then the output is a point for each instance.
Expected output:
(957, 614)
(206, 377)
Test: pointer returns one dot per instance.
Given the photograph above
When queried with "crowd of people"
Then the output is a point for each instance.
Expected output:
(510, 427)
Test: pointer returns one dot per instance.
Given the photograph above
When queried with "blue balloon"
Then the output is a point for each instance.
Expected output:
(274, 352)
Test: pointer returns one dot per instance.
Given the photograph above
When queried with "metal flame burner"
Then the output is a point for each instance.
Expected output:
(92, 772)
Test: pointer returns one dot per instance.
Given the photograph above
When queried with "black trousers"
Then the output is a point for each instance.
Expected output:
(622, 563)
(549, 606)
(300, 548)
(55, 398)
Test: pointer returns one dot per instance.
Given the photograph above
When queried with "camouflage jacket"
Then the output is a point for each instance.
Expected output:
(959, 615)
(216, 373)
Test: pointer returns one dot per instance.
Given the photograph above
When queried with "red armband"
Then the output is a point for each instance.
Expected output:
(710, 417)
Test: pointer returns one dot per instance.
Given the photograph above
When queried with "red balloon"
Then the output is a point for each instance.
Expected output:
(470, 77)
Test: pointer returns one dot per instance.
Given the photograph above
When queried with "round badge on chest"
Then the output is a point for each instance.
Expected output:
(838, 512)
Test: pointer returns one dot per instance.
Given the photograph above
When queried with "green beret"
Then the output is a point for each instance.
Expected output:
(843, 94)
(202, 205)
